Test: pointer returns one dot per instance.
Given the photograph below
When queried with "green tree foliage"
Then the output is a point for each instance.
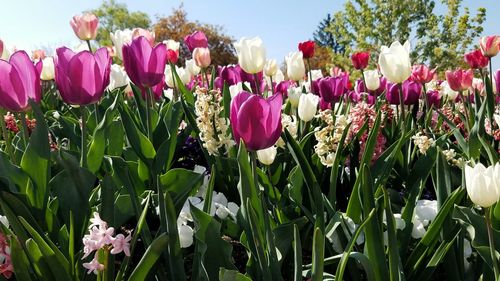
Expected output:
(326, 39)
(177, 25)
(439, 40)
(115, 16)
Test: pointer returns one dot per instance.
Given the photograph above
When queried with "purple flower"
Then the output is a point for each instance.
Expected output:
(256, 120)
(82, 77)
(145, 65)
(332, 88)
(433, 98)
(411, 92)
(195, 40)
(19, 82)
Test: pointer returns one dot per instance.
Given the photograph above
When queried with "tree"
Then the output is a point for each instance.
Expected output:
(176, 26)
(326, 39)
(115, 16)
(438, 40)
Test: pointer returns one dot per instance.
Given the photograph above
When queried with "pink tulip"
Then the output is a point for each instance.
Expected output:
(201, 57)
(144, 64)
(490, 45)
(256, 120)
(459, 80)
(476, 59)
(38, 55)
(85, 26)
(82, 77)
(422, 74)
(195, 40)
(19, 82)
(138, 32)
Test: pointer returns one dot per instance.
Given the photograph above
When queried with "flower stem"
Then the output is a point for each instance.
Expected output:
(148, 115)
(83, 113)
(257, 86)
(401, 102)
(310, 75)
(6, 136)
(90, 46)
(272, 87)
(492, 243)
(174, 95)
(25, 129)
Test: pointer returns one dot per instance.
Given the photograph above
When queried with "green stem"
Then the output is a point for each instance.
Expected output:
(492, 243)
(257, 86)
(83, 114)
(310, 75)
(148, 114)
(25, 129)
(272, 87)
(401, 102)
(90, 46)
(175, 96)
(6, 136)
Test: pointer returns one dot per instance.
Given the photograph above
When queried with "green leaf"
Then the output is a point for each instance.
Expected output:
(318, 254)
(149, 259)
(139, 142)
(19, 260)
(166, 151)
(231, 275)
(213, 251)
(36, 158)
(297, 254)
(181, 183)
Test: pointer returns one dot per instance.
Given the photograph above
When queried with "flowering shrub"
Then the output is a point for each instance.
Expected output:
(148, 170)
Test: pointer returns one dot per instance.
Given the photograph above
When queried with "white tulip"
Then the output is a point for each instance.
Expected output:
(119, 38)
(372, 79)
(251, 54)
(237, 88)
(483, 184)
(447, 92)
(308, 106)
(48, 71)
(184, 75)
(316, 74)
(394, 62)
(172, 44)
(266, 156)
(294, 94)
(118, 77)
(192, 68)
(185, 236)
(271, 67)
(295, 68)
(426, 210)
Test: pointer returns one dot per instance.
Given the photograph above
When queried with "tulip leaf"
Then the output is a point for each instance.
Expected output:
(209, 244)
(139, 142)
(166, 151)
(36, 159)
(231, 275)
(188, 95)
(181, 184)
(149, 259)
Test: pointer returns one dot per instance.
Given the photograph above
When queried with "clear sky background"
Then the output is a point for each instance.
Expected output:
(30, 24)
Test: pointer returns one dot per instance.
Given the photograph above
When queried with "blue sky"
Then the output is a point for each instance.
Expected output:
(281, 24)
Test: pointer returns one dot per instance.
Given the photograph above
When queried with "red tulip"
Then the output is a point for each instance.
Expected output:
(459, 80)
(476, 59)
(490, 45)
(82, 77)
(19, 82)
(360, 60)
(195, 40)
(172, 56)
(144, 64)
(256, 120)
(422, 74)
(85, 26)
(307, 49)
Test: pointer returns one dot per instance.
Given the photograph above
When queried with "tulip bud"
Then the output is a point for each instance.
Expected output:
(483, 184)
(271, 67)
(150, 36)
(47, 69)
(476, 59)
(490, 45)
(372, 79)
(307, 49)
(266, 156)
(294, 94)
(119, 38)
(251, 54)
(195, 40)
(459, 80)
(192, 68)
(394, 62)
(38, 55)
(85, 26)
(202, 57)
(172, 56)
(295, 68)
(308, 105)
(360, 60)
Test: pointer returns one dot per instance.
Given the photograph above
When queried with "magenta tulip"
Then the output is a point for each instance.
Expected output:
(145, 65)
(332, 88)
(476, 59)
(497, 81)
(411, 92)
(256, 120)
(459, 80)
(19, 82)
(82, 77)
(195, 40)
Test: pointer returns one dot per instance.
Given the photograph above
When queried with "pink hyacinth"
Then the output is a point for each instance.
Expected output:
(6, 268)
(121, 244)
(19, 82)
(93, 266)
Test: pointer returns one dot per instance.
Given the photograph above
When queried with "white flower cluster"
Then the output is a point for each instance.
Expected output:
(329, 136)
(213, 127)
(220, 207)
(288, 122)
(423, 142)
(451, 157)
